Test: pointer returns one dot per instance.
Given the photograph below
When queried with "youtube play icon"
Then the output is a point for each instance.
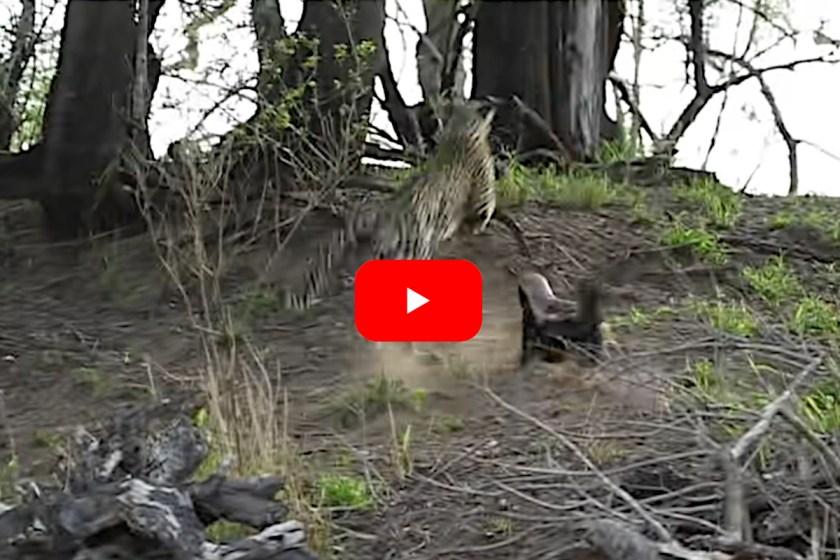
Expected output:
(418, 300)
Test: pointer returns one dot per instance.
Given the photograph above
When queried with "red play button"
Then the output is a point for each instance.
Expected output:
(418, 301)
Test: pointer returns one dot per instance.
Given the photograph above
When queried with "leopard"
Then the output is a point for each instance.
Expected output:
(454, 192)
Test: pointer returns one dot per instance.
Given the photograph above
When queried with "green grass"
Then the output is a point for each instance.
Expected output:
(92, 379)
(641, 211)
(616, 151)
(719, 204)
(774, 281)
(820, 407)
(447, 425)
(9, 477)
(577, 190)
(734, 318)
(782, 220)
(258, 304)
(807, 315)
(703, 243)
(735, 397)
(808, 213)
(374, 398)
(817, 317)
(640, 317)
(707, 380)
(341, 491)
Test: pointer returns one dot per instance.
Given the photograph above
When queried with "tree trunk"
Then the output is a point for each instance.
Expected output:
(86, 124)
(436, 49)
(344, 89)
(269, 29)
(554, 56)
(325, 93)
(89, 98)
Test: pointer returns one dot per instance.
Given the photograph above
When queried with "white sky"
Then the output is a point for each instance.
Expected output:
(746, 144)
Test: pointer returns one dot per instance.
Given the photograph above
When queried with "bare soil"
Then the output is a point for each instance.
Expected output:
(85, 328)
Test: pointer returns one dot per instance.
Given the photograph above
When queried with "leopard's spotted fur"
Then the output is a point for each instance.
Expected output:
(456, 191)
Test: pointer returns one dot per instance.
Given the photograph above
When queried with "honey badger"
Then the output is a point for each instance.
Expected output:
(553, 328)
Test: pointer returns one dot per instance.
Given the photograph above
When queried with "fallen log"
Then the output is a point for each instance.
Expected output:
(128, 494)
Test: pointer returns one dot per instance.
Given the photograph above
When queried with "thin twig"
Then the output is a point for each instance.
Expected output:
(660, 530)
(760, 428)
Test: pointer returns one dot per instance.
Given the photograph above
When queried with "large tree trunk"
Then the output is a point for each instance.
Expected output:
(84, 117)
(554, 56)
(86, 125)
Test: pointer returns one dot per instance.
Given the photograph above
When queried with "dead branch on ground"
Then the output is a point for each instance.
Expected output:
(129, 492)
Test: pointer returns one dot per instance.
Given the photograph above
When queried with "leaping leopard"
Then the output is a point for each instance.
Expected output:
(456, 191)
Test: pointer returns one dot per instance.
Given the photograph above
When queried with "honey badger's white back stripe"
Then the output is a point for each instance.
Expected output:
(457, 190)
(544, 304)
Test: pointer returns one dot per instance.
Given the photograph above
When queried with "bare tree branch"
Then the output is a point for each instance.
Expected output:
(404, 120)
(692, 110)
(789, 140)
(625, 95)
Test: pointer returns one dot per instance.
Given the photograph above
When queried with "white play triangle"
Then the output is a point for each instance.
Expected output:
(414, 300)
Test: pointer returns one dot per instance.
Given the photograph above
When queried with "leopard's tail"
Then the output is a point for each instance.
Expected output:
(317, 277)
(320, 276)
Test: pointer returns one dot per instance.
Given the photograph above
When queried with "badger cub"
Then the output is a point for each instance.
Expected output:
(553, 328)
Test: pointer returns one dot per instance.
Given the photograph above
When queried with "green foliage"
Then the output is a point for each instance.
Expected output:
(339, 491)
(578, 190)
(9, 476)
(31, 104)
(448, 424)
(707, 378)
(705, 381)
(92, 379)
(641, 210)
(778, 285)
(291, 109)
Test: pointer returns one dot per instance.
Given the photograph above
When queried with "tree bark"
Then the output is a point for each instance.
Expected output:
(555, 57)
(86, 122)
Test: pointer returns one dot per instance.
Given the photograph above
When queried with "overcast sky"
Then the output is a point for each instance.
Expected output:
(747, 143)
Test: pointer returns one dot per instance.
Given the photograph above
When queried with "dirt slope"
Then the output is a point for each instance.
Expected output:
(85, 329)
